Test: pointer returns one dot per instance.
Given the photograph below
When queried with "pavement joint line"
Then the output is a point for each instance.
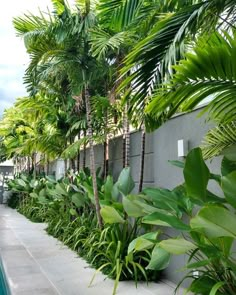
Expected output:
(15, 222)
(40, 267)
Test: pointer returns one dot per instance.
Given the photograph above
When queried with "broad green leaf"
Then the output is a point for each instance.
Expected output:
(118, 206)
(78, 199)
(196, 175)
(177, 246)
(108, 186)
(159, 259)
(227, 166)
(115, 192)
(163, 198)
(215, 177)
(125, 182)
(50, 192)
(21, 182)
(42, 192)
(229, 188)
(43, 200)
(177, 163)
(51, 179)
(142, 244)
(216, 287)
(147, 208)
(145, 241)
(225, 244)
(60, 189)
(73, 212)
(34, 183)
(34, 195)
(111, 215)
(198, 264)
(212, 198)
(24, 177)
(230, 153)
(104, 203)
(170, 220)
(215, 222)
(89, 189)
(202, 285)
(75, 188)
(131, 208)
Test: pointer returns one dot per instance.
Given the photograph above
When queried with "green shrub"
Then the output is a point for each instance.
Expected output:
(208, 230)
(67, 206)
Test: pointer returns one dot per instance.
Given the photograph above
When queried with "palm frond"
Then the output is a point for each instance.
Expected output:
(74, 149)
(152, 58)
(209, 71)
(219, 139)
(103, 42)
(119, 13)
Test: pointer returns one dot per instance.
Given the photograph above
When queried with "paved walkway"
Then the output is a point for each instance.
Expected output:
(38, 264)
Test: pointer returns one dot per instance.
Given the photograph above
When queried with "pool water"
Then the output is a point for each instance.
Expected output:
(4, 290)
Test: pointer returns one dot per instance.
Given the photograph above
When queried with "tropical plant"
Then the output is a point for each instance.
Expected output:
(207, 233)
(176, 23)
(67, 206)
(206, 73)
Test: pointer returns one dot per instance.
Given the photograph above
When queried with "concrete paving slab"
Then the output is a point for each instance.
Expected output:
(38, 264)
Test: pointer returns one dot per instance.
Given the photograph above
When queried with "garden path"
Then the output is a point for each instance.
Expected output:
(38, 264)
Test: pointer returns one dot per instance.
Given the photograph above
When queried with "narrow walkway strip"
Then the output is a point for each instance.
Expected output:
(38, 264)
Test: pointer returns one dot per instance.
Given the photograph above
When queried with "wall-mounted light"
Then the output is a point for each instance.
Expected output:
(182, 148)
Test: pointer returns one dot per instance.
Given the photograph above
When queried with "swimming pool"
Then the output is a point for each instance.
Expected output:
(4, 290)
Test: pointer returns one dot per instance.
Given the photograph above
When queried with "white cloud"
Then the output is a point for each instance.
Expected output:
(13, 58)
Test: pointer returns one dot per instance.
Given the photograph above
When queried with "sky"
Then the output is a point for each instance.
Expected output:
(13, 57)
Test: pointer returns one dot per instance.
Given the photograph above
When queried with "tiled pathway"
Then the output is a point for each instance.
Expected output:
(38, 264)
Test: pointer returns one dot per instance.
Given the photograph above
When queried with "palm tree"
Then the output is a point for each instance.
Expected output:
(178, 23)
(112, 39)
(64, 39)
(32, 126)
(170, 26)
(123, 24)
(207, 72)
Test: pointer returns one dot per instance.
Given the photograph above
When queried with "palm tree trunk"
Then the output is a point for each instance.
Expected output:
(78, 156)
(72, 161)
(47, 167)
(127, 146)
(20, 165)
(142, 154)
(15, 166)
(92, 159)
(126, 138)
(123, 148)
(45, 164)
(105, 150)
(66, 166)
(34, 165)
(78, 162)
(106, 158)
(84, 152)
(28, 164)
